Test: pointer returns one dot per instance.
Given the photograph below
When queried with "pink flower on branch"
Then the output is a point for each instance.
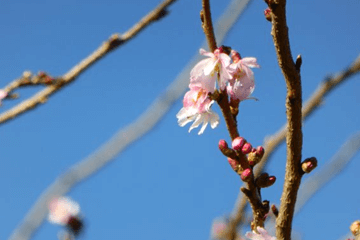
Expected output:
(206, 71)
(242, 85)
(196, 108)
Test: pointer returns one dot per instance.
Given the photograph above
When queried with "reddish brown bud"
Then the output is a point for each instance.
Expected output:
(41, 74)
(48, 80)
(246, 175)
(223, 145)
(267, 13)
(260, 151)
(264, 180)
(274, 210)
(238, 143)
(246, 148)
(309, 164)
(233, 163)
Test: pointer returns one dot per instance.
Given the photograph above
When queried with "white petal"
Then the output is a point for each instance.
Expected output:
(250, 62)
(214, 120)
(197, 122)
(209, 68)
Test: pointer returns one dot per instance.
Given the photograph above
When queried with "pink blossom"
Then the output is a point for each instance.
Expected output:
(242, 84)
(218, 229)
(3, 95)
(62, 209)
(204, 73)
(197, 108)
(262, 235)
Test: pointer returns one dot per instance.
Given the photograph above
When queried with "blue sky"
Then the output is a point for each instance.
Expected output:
(170, 184)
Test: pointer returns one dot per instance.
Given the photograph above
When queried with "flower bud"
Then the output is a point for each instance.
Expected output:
(264, 180)
(233, 163)
(355, 228)
(235, 56)
(260, 151)
(246, 175)
(238, 143)
(274, 210)
(246, 148)
(223, 145)
(267, 13)
(309, 164)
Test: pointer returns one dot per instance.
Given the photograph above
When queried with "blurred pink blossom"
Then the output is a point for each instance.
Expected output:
(3, 95)
(262, 235)
(62, 209)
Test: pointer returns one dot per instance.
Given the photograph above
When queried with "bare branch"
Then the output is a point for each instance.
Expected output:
(207, 25)
(123, 138)
(271, 143)
(112, 43)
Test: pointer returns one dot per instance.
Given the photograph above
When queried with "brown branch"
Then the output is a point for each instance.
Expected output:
(112, 43)
(293, 112)
(272, 142)
(207, 25)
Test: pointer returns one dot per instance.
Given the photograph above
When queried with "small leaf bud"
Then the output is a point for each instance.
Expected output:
(246, 148)
(264, 180)
(238, 143)
(267, 13)
(309, 164)
(246, 175)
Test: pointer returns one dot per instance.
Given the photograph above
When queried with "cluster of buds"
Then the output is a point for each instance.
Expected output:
(241, 148)
(65, 212)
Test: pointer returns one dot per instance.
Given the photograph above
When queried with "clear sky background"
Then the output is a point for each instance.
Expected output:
(170, 185)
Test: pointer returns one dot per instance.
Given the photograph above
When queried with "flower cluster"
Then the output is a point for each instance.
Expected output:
(228, 73)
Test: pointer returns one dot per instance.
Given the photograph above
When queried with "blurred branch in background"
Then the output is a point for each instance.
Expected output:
(271, 143)
(55, 84)
(334, 167)
(124, 137)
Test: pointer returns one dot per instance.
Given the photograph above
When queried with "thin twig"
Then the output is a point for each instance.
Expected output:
(271, 143)
(123, 138)
(112, 43)
(207, 26)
